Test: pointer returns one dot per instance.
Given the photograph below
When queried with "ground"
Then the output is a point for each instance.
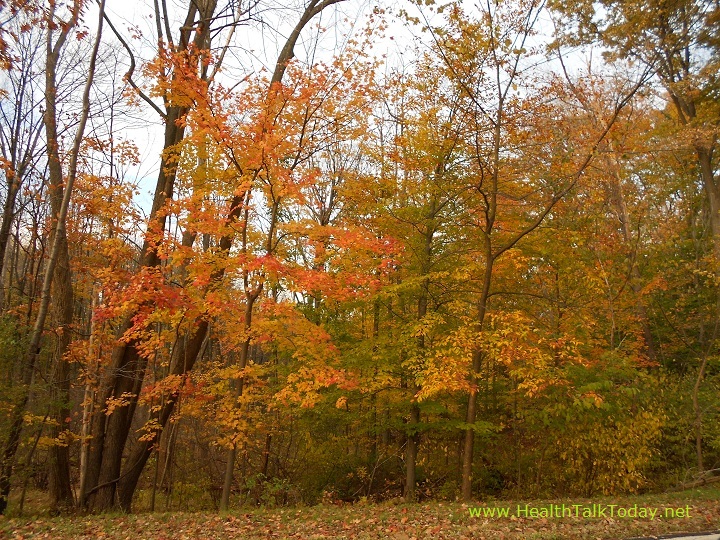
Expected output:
(689, 511)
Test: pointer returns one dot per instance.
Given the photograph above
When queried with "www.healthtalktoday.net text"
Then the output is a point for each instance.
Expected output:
(597, 511)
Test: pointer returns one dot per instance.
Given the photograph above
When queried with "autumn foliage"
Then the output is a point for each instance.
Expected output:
(484, 268)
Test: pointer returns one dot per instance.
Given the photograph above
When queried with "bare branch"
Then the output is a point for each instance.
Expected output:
(131, 69)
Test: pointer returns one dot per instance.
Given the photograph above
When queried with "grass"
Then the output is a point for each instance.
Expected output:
(433, 520)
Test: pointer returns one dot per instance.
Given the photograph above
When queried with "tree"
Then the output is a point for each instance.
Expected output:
(675, 40)
(486, 58)
(417, 200)
(182, 79)
(21, 130)
(57, 269)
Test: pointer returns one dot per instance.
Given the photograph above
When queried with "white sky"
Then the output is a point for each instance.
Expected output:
(255, 47)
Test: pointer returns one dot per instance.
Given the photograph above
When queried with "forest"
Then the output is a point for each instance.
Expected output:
(262, 253)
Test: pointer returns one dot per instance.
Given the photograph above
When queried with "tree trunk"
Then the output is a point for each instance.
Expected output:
(59, 457)
(413, 430)
(411, 453)
(469, 440)
(477, 361)
(250, 299)
(61, 493)
(621, 210)
(698, 415)
(712, 190)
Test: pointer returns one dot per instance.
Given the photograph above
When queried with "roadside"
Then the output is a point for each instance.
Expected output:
(601, 518)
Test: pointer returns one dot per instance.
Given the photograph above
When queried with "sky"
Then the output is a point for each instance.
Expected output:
(254, 48)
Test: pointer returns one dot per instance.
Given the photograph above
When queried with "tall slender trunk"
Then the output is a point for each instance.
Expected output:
(88, 397)
(59, 457)
(411, 453)
(413, 430)
(477, 361)
(477, 356)
(237, 394)
(374, 436)
(712, 190)
(60, 487)
(698, 416)
(251, 296)
(618, 199)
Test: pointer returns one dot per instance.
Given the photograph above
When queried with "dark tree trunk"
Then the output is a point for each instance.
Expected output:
(411, 453)
(61, 493)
